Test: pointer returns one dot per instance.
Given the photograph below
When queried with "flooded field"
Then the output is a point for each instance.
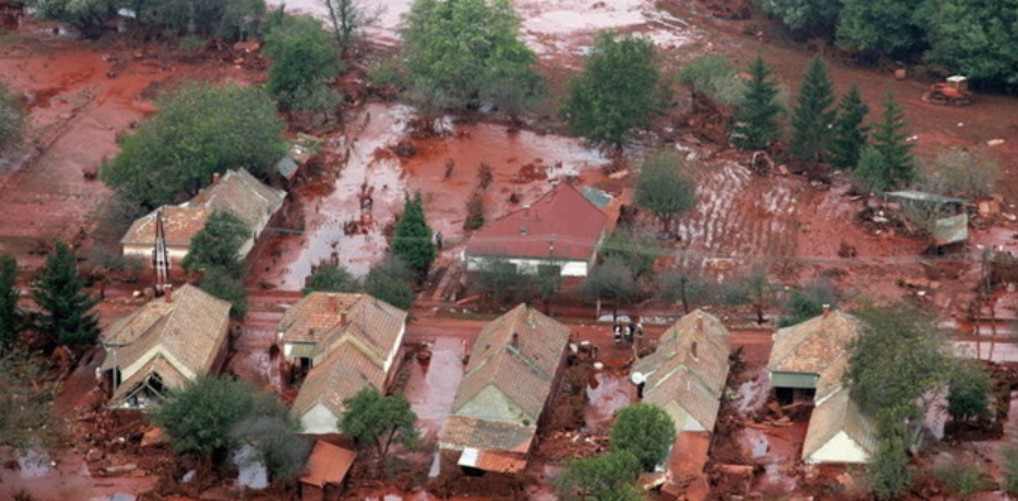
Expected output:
(523, 164)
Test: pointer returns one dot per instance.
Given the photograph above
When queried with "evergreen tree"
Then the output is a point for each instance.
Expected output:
(412, 242)
(849, 132)
(889, 139)
(10, 316)
(756, 118)
(65, 304)
(871, 171)
(813, 116)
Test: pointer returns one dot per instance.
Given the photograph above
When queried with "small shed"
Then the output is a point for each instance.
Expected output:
(944, 217)
(325, 472)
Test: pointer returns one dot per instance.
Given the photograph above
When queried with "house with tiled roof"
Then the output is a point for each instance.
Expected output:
(512, 373)
(236, 192)
(813, 356)
(181, 224)
(168, 342)
(344, 342)
(560, 232)
(686, 375)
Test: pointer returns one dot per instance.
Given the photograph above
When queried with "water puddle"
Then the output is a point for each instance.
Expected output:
(432, 386)
(607, 393)
(754, 392)
(35, 464)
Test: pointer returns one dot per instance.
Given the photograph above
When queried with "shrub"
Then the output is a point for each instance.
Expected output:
(964, 479)
(714, 76)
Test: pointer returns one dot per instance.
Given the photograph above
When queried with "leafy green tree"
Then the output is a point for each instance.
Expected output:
(888, 469)
(974, 39)
(199, 417)
(962, 173)
(503, 282)
(684, 283)
(888, 27)
(330, 278)
(645, 431)
(10, 314)
(303, 58)
(229, 20)
(664, 188)
(12, 118)
(218, 244)
(412, 242)
(391, 282)
(849, 132)
(871, 172)
(969, 394)
(804, 304)
(618, 90)
(612, 280)
(199, 130)
(25, 396)
(714, 75)
(805, 17)
(637, 252)
(754, 289)
(963, 479)
(812, 116)
(756, 117)
(64, 302)
(280, 448)
(898, 362)
(464, 53)
(88, 16)
(890, 140)
(380, 420)
(227, 286)
(606, 477)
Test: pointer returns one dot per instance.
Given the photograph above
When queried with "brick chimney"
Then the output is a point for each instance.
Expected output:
(343, 317)
(168, 293)
(515, 341)
(215, 178)
(827, 310)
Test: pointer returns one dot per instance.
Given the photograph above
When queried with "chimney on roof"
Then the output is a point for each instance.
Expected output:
(215, 178)
(168, 293)
(692, 350)
(699, 321)
(515, 340)
(827, 310)
(526, 210)
(343, 318)
(311, 332)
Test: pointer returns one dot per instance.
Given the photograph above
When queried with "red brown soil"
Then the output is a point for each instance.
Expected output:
(81, 96)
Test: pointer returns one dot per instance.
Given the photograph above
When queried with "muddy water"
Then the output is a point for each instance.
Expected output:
(432, 386)
(371, 165)
(776, 449)
(607, 393)
(985, 350)
(66, 478)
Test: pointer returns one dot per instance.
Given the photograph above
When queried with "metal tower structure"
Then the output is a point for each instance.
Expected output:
(160, 256)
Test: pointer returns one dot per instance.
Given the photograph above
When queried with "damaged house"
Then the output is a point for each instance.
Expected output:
(558, 234)
(168, 342)
(236, 192)
(686, 377)
(809, 360)
(512, 373)
(343, 343)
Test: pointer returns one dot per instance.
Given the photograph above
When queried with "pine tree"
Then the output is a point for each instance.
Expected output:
(871, 171)
(65, 304)
(813, 116)
(10, 316)
(755, 120)
(849, 132)
(412, 242)
(890, 141)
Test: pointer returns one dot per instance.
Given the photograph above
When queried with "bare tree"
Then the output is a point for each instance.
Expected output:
(349, 17)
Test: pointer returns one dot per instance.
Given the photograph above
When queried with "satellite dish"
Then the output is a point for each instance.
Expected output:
(638, 378)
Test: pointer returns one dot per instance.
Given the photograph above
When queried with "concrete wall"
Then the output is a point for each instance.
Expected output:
(144, 252)
(491, 405)
(840, 449)
(530, 266)
(319, 421)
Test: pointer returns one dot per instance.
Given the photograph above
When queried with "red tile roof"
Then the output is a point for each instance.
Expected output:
(328, 464)
(562, 224)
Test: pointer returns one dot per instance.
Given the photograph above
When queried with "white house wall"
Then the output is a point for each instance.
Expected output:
(840, 449)
(319, 421)
(395, 349)
(531, 266)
